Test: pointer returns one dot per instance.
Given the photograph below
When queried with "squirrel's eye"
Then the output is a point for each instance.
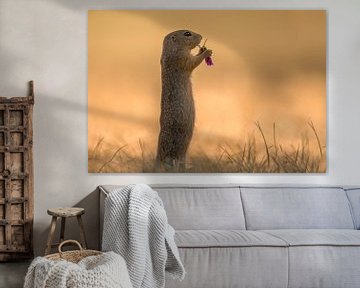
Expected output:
(187, 34)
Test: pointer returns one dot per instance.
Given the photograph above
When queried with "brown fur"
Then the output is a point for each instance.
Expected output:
(177, 104)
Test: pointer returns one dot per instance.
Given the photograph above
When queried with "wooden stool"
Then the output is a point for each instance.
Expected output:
(64, 213)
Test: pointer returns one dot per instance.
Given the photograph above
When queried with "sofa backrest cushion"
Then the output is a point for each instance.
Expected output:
(296, 208)
(354, 198)
(203, 208)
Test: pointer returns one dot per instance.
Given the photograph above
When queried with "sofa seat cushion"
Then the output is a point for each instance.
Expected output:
(322, 258)
(233, 267)
(317, 237)
(225, 238)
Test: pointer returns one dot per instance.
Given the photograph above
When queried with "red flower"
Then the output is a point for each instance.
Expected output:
(209, 61)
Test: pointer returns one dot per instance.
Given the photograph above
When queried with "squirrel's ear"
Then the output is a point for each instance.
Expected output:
(173, 38)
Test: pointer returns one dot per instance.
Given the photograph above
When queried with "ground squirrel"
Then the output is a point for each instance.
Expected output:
(177, 104)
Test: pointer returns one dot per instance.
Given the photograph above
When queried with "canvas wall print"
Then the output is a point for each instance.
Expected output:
(191, 91)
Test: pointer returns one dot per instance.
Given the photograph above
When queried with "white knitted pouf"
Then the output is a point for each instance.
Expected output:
(107, 270)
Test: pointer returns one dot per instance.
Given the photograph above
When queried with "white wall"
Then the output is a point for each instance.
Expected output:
(46, 41)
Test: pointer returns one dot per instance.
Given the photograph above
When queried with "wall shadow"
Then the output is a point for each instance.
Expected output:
(72, 231)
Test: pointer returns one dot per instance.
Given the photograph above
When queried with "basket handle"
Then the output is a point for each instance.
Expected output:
(69, 241)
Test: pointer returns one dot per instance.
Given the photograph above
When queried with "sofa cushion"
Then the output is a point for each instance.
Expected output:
(324, 266)
(192, 208)
(315, 237)
(226, 238)
(220, 267)
(354, 198)
(322, 258)
(296, 208)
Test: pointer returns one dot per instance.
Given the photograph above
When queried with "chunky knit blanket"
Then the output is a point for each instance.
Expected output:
(136, 227)
(102, 271)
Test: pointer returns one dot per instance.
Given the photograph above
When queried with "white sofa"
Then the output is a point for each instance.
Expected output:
(264, 237)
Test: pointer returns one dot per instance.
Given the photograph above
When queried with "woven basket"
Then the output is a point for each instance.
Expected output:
(72, 256)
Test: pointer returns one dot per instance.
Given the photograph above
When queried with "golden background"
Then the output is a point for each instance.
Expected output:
(270, 66)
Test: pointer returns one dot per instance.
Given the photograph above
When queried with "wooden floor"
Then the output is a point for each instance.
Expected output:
(12, 274)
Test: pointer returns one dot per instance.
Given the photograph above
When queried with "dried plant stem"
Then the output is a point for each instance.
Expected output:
(111, 159)
(274, 137)
(142, 149)
(97, 147)
(311, 124)
(257, 123)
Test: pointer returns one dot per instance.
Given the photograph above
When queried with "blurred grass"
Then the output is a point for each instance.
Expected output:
(254, 155)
